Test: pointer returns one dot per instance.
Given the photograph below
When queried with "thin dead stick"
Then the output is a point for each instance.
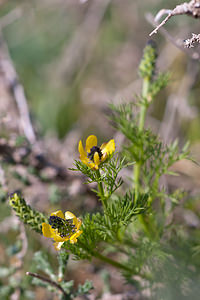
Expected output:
(189, 43)
(161, 24)
(55, 284)
(10, 74)
(194, 55)
(17, 89)
(8, 69)
(192, 8)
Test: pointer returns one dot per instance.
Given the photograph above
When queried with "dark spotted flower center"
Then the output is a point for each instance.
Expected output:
(92, 152)
(65, 227)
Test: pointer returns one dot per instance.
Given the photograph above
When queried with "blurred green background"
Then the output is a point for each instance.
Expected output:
(74, 57)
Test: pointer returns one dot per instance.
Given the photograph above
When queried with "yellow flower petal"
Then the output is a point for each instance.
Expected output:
(69, 215)
(96, 159)
(85, 160)
(103, 146)
(58, 245)
(79, 222)
(81, 150)
(46, 230)
(58, 213)
(91, 165)
(91, 142)
(108, 148)
(50, 232)
(104, 157)
(73, 238)
(57, 238)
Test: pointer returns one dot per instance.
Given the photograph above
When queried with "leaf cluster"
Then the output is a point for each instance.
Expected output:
(145, 147)
(107, 175)
(122, 209)
(110, 227)
(126, 121)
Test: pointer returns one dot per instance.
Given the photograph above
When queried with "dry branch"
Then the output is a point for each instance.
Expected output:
(11, 78)
(177, 43)
(53, 283)
(189, 43)
(192, 9)
(17, 89)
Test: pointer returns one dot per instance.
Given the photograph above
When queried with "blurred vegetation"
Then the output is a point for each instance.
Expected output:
(63, 102)
(37, 42)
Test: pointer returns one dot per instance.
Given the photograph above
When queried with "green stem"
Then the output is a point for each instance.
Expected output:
(137, 168)
(110, 261)
(136, 175)
(145, 90)
(101, 189)
(119, 265)
(105, 259)
(143, 110)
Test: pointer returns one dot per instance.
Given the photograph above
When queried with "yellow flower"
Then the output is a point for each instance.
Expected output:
(92, 155)
(62, 228)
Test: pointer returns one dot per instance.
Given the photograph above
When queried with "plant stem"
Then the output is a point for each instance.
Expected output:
(101, 190)
(119, 265)
(105, 259)
(53, 283)
(143, 110)
(110, 261)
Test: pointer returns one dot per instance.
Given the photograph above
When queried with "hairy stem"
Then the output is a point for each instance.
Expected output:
(143, 110)
(119, 265)
(101, 190)
(110, 261)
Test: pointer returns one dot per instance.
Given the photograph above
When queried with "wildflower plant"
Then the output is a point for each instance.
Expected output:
(62, 228)
(93, 156)
(132, 231)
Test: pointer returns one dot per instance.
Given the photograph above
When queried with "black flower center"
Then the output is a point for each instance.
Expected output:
(65, 227)
(92, 152)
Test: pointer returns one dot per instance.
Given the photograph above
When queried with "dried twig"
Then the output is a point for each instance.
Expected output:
(178, 44)
(10, 75)
(189, 43)
(192, 8)
(55, 284)
(11, 78)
